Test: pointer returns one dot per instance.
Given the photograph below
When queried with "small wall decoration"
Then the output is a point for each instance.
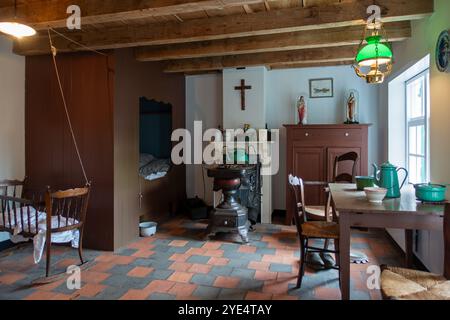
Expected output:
(352, 107)
(321, 88)
(242, 89)
(443, 51)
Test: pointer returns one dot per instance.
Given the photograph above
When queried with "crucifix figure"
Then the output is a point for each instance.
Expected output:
(242, 88)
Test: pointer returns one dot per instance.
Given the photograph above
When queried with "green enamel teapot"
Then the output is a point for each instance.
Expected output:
(387, 177)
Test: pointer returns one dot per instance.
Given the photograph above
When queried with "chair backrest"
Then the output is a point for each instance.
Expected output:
(297, 188)
(18, 212)
(67, 209)
(12, 188)
(447, 241)
(21, 189)
(19, 206)
(345, 177)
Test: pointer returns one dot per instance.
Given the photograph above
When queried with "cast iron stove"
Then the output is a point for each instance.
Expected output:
(229, 215)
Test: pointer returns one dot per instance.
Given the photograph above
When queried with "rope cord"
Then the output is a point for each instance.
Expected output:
(53, 50)
(75, 42)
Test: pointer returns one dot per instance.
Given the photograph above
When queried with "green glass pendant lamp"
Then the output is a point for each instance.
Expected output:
(375, 53)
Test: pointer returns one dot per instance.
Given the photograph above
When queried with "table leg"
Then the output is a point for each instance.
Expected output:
(344, 255)
(409, 248)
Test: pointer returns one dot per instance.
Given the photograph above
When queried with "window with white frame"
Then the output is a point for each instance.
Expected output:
(417, 131)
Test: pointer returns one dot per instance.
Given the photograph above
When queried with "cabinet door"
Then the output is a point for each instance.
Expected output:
(345, 166)
(308, 164)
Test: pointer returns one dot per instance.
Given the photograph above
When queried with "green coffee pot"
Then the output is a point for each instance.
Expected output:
(387, 177)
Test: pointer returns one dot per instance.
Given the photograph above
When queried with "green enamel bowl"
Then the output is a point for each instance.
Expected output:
(364, 182)
(430, 192)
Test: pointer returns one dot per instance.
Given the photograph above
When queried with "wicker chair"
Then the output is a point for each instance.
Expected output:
(308, 230)
(407, 284)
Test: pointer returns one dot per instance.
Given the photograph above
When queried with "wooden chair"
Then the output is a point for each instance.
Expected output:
(66, 210)
(14, 211)
(21, 190)
(345, 176)
(408, 284)
(325, 213)
(16, 201)
(308, 230)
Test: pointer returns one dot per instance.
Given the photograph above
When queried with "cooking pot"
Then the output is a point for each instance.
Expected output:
(430, 192)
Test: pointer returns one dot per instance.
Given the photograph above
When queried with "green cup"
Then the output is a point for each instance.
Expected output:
(364, 182)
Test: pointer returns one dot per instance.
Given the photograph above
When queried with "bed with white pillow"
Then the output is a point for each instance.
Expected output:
(152, 168)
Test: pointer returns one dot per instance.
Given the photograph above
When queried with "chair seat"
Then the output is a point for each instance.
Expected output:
(320, 229)
(316, 213)
(406, 284)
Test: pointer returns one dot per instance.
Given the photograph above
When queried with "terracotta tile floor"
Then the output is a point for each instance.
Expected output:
(177, 264)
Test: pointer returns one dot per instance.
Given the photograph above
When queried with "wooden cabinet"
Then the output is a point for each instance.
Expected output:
(311, 151)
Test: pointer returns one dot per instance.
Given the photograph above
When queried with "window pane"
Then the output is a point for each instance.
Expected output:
(413, 140)
(415, 98)
(417, 140)
(421, 140)
(413, 178)
(422, 170)
(417, 169)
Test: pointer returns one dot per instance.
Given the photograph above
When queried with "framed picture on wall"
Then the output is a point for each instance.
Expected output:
(321, 88)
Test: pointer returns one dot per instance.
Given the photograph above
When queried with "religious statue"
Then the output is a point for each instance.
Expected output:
(351, 109)
(302, 111)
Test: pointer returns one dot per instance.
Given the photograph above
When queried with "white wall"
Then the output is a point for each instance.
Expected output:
(423, 42)
(283, 88)
(12, 114)
(203, 103)
(255, 112)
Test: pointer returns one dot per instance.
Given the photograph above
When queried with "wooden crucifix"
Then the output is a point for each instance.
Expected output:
(242, 88)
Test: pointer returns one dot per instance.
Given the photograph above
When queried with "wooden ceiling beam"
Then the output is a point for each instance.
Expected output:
(43, 13)
(262, 23)
(318, 55)
(309, 64)
(397, 31)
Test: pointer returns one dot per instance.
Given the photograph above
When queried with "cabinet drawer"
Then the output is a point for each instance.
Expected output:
(308, 136)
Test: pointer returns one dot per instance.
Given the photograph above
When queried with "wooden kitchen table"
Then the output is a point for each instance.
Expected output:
(353, 210)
